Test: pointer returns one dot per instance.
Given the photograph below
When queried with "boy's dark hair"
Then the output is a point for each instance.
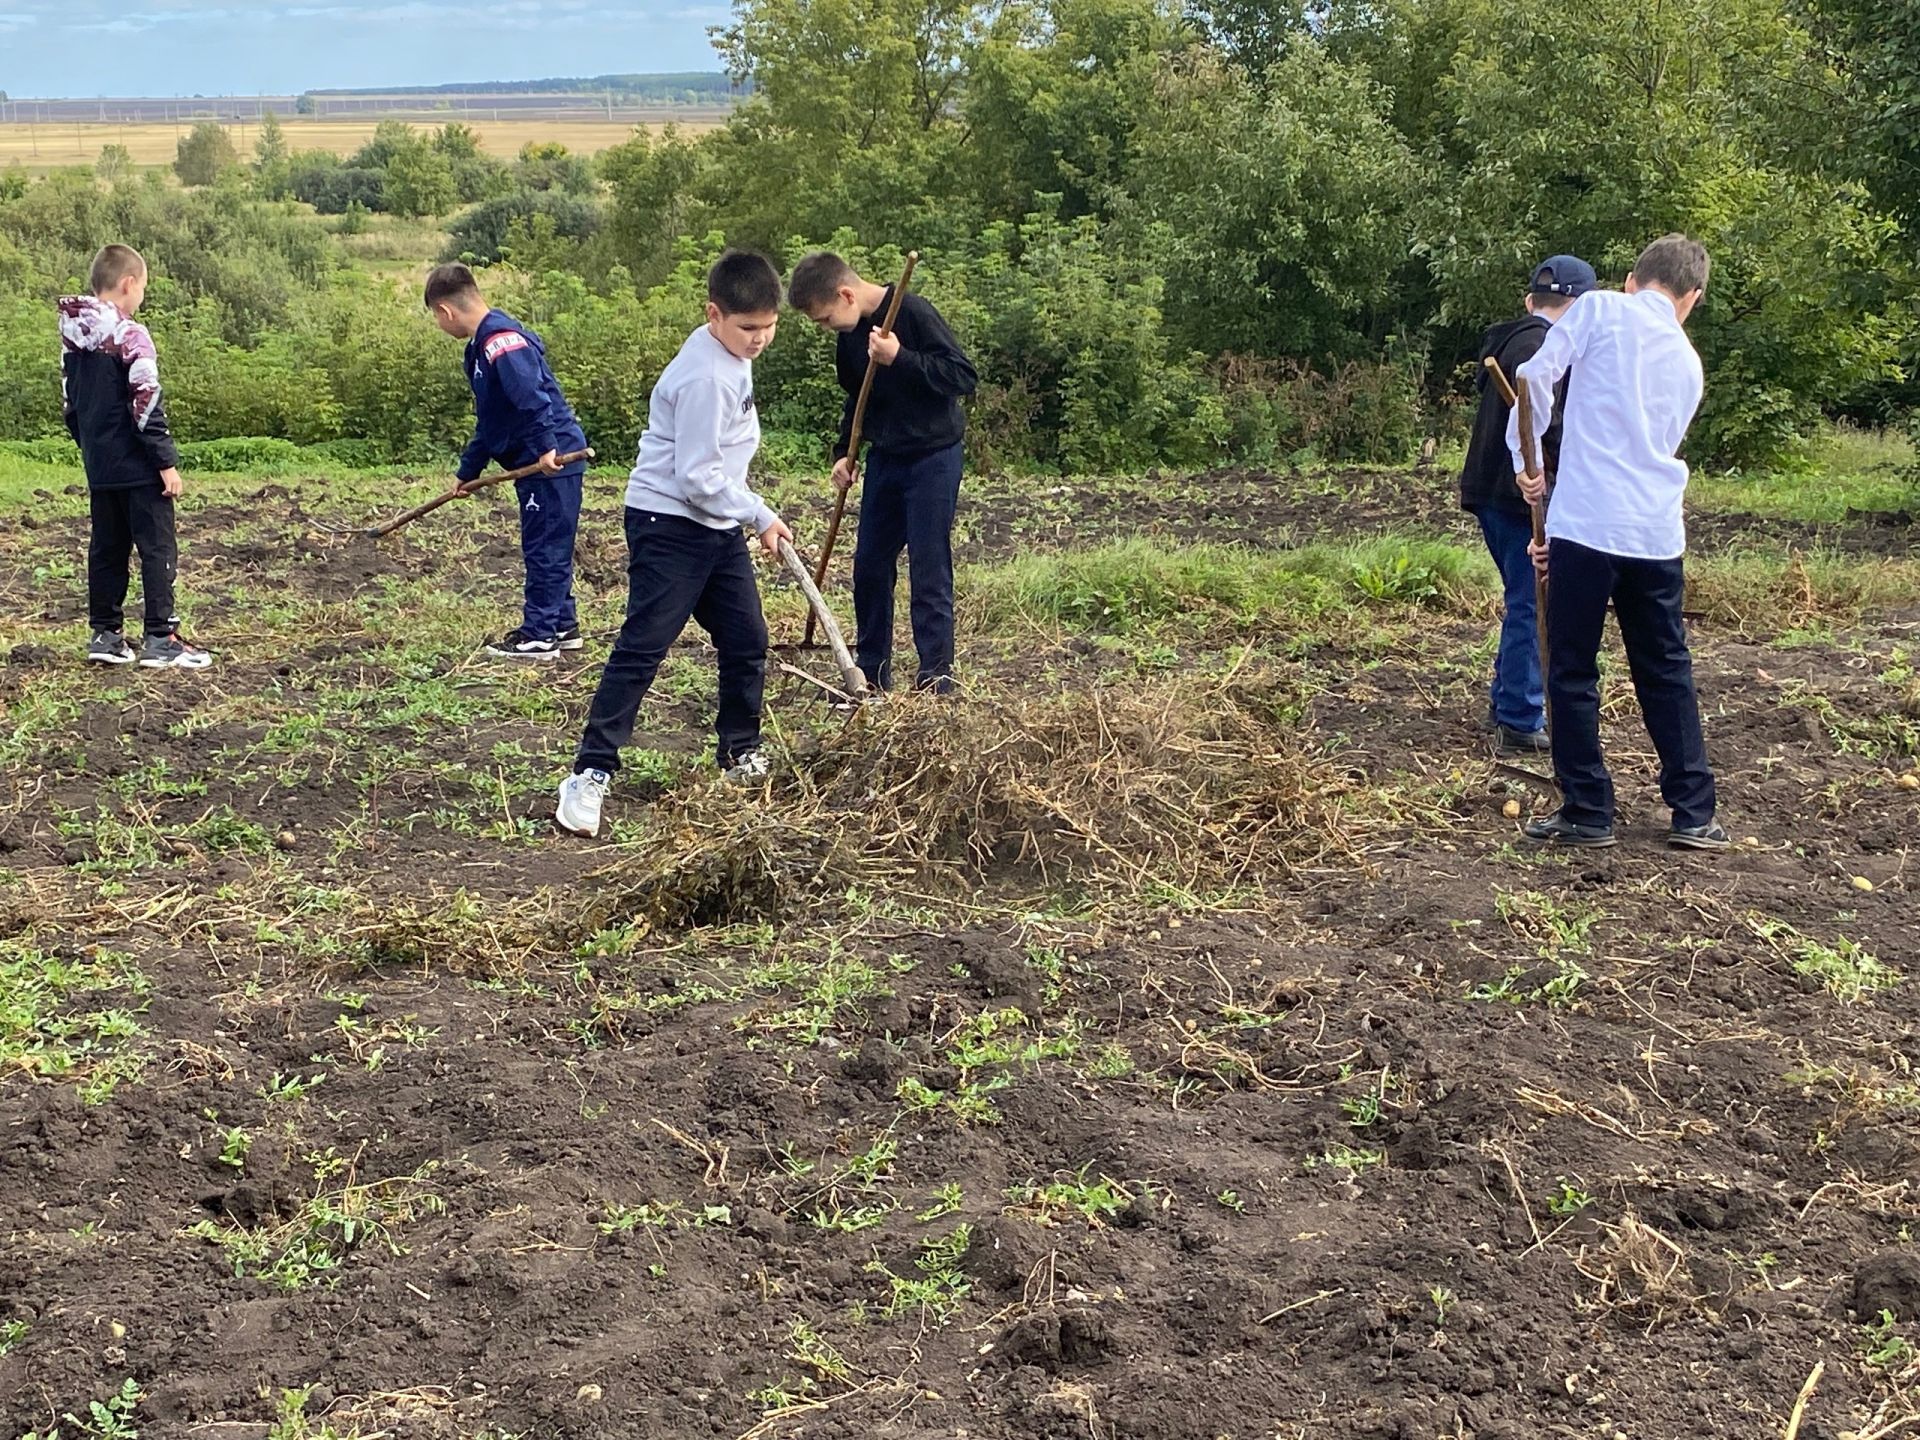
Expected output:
(1676, 263)
(113, 264)
(744, 283)
(450, 282)
(817, 279)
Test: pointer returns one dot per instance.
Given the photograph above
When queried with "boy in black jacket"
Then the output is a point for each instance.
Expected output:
(520, 419)
(110, 392)
(1488, 492)
(916, 426)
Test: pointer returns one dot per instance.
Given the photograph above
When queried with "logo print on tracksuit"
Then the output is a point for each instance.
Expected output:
(532, 504)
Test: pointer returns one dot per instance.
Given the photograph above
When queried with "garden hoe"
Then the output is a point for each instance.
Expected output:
(850, 673)
(457, 492)
(853, 445)
(1522, 401)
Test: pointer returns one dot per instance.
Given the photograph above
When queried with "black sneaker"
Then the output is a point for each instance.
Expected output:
(1699, 837)
(1509, 741)
(519, 645)
(569, 639)
(1556, 829)
(110, 647)
(170, 652)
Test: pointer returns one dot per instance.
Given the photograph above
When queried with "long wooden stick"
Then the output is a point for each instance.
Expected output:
(850, 673)
(853, 435)
(1522, 401)
(457, 492)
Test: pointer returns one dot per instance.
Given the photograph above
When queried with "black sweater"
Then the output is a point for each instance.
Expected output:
(1487, 478)
(110, 386)
(915, 406)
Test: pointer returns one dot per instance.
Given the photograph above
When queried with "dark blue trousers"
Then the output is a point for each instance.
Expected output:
(910, 505)
(1646, 596)
(549, 520)
(1519, 697)
(680, 570)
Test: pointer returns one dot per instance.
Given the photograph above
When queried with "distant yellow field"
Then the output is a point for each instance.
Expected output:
(49, 146)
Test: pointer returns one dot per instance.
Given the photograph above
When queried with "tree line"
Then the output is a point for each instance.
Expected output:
(1229, 231)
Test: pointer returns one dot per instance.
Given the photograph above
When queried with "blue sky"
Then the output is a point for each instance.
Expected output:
(58, 48)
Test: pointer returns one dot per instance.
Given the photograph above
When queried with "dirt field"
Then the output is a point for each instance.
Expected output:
(1170, 1039)
(49, 146)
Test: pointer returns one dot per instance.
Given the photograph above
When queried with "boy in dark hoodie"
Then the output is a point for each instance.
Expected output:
(912, 490)
(1487, 491)
(520, 419)
(110, 392)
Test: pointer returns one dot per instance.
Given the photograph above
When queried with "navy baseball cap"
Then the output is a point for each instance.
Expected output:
(1563, 275)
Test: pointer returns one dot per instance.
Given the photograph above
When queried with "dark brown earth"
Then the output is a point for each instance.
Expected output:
(1750, 1144)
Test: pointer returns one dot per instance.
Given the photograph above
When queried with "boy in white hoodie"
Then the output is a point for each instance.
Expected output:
(687, 500)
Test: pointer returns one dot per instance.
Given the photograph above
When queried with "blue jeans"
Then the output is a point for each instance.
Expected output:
(680, 570)
(549, 519)
(1519, 702)
(910, 505)
(1646, 596)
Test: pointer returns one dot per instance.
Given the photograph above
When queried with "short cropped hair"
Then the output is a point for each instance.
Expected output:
(1676, 263)
(742, 282)
(450, 282)
(817, 279)
(113, 264)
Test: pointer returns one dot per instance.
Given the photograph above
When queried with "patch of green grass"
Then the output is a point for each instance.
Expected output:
(309, 1249)
(1884, 1347)
(1845, 969)
(938, 1285)
(12, 1332)
(56, 1024)
(1521, 985)
(1136, 582)
(1095, 1200)
(1347, 1157)
(1842, 469)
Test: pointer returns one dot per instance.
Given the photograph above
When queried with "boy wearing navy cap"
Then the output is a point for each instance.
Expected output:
(1616, 534)
(1517, 708)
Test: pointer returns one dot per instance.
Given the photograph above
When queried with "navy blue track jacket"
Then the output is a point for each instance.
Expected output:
(519, 413)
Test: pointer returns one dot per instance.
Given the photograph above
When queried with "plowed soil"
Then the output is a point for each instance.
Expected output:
(1445, 1139)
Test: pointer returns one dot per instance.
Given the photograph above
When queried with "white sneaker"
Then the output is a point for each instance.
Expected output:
(749, 769)
(581, 796)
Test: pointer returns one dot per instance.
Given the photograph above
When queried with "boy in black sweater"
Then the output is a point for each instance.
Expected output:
(1488, 493)
(916, 426)
(110, 393)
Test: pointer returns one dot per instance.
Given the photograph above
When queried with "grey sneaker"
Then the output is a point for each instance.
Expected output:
(170, 652)
(1556, 829)
(748, 769)
(1699, 837)
(110, 647)
(581, 796)
(1509, 741)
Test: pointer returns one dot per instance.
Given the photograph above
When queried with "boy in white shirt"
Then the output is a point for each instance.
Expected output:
(687, 500)
(1615, 533)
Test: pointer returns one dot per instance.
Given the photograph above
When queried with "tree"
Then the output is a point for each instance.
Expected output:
(1282, 220)
(272, 161)
(114, 164)
(303, 105)
(457, 141)
(203, 154)
(390, 138)
(419, 182)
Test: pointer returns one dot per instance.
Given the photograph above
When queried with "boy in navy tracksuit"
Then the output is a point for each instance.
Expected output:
(520, 419)
(913, 470)
(1517, 704)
